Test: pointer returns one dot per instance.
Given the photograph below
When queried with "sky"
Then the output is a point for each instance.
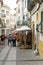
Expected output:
(11, 4)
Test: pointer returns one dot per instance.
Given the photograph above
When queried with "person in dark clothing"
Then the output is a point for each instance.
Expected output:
(9, 39)
(3, 38)
(14, 39)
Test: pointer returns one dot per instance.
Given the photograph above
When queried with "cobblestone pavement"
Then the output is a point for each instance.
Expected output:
(8, 56)
(15, 56)
(26, 54)
(2, 47)
(27, 57)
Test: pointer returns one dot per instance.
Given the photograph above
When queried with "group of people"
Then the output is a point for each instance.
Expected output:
(12, 39)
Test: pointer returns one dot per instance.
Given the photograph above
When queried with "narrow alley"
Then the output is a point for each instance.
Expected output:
(21, 32)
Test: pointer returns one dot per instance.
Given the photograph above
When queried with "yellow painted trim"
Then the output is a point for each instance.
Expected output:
(41, 48)
(37, 17)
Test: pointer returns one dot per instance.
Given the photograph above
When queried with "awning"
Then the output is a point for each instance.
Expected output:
(23, 28)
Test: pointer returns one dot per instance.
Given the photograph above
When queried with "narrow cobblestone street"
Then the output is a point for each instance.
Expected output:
(21, 32)
(14, 56)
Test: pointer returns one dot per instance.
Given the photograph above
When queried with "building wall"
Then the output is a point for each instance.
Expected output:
(36, 18)
(21, 11)
(21, 16)
(34, 23)
(41, 35)
(1, 1)
(5, 19)
(12, 22)
(17, 13)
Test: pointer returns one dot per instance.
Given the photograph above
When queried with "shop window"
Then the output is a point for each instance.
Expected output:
(3, 31)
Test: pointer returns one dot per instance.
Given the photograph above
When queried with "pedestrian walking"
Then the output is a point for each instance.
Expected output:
(3, 37)
(9, 39)
(14, 39)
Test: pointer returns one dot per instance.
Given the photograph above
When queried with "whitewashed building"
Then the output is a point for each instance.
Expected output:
(12, 22)
(5, 19)
(22, 12)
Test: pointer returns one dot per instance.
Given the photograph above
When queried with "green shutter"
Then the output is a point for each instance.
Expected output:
(42, 21)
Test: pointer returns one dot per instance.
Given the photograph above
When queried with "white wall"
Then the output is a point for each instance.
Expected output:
(7, 17)
(21, 11)
(34, 20)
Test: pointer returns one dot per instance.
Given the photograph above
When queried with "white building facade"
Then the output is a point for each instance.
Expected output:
(12, 22)
(22, 12)
(5, 19)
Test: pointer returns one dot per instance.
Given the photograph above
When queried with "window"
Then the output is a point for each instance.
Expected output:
(3, 23)
(18, 10)
(3, 11)
(18, 22)
(7, 22)
(7, 12)
(2, 20)
(3, 15)
(7, 31)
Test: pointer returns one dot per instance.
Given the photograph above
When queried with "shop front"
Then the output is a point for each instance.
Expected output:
(24, 37)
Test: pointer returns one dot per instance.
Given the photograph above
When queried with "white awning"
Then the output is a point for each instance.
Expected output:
(23, 28)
